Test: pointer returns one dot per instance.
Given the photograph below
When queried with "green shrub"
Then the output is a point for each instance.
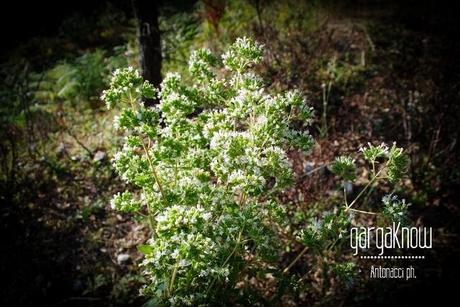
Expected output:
(204, 163)
(77, 80)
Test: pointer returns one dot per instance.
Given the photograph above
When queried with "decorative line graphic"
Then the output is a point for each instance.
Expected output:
(392, 257)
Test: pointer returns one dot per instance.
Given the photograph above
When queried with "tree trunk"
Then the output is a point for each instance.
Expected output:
(148, 31)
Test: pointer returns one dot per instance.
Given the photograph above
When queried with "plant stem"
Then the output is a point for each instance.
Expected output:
(364, 189)
(315, 170)
(326, 94)
(362, 211)
(242, 199)
(151, 220)
(152, 168)
(295, 260)
(238, 242)
(173, 278)
(368, 194)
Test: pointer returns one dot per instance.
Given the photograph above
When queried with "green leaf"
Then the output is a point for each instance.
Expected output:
(145, 249)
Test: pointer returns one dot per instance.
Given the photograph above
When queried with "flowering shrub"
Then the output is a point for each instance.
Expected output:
(395, 209)
(205, 164)
(330, 230)
(393, 164)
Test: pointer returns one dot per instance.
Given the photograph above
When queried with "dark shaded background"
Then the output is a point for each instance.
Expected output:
(21, 20)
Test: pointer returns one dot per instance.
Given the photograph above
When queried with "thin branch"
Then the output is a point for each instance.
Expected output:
(364, 189)
(362, 211)
(295, 260)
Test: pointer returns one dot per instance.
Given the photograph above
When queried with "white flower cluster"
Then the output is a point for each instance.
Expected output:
(124, 84)
(205, 160)
(124, 202)
(396, 162)
(395, 209)
(243, 53)
(372, 153)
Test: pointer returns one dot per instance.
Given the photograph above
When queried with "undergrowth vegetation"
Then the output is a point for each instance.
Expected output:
(208, 163)
(205, 161)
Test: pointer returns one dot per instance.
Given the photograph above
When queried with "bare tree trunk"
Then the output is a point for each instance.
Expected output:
(146, 12)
